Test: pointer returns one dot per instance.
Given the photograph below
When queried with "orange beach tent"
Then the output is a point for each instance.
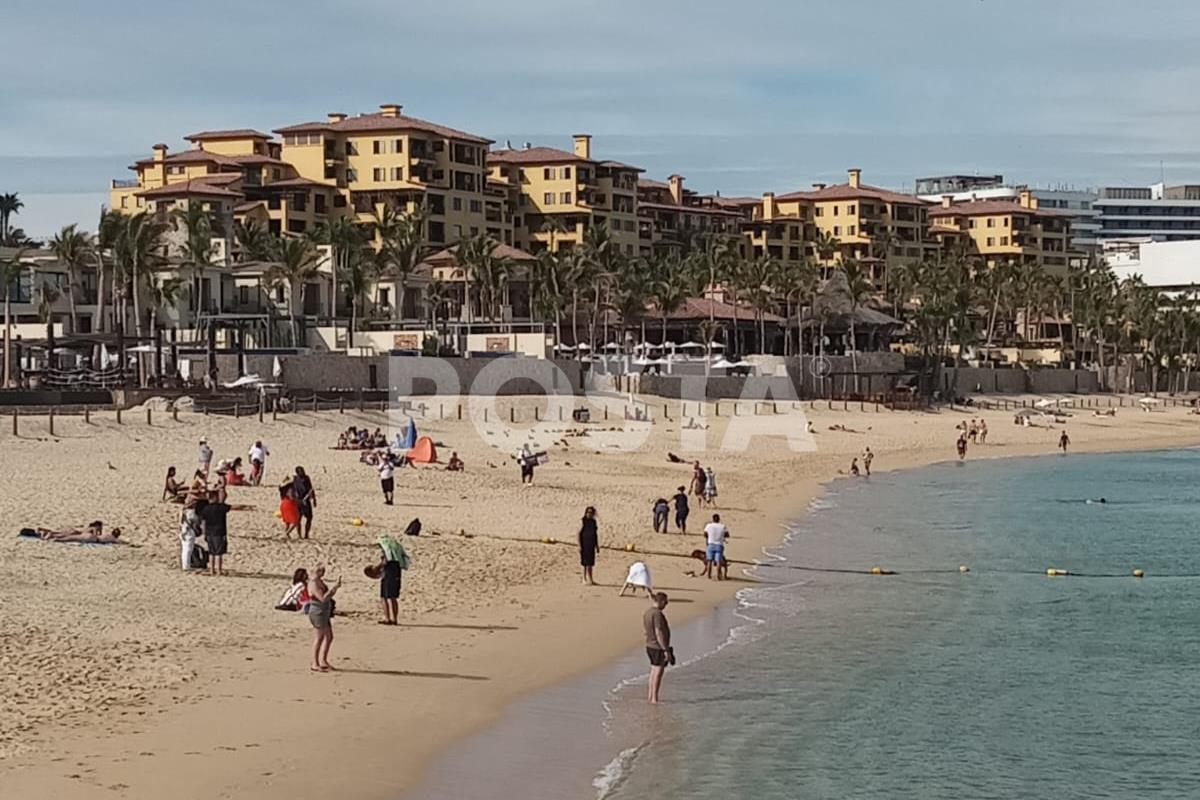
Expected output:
(423, 452)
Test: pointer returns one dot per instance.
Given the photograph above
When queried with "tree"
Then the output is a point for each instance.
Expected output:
(254, 242)
(163, 294)
(346, 240)
(295, 263)
(355, 276)
(137, 251)
(600, 255)
(758, 276)
(669, 291)
(436, 298)
(995, 291)
(107, 231)
(485, 269)
(549, 295)
(826, 245)
(401, 246)
(73, 249)
(10, 276)
(10, 204)
(197, 248)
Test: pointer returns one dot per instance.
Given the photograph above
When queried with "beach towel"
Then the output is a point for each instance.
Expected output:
(30, 533)
(639, 575)
(393, 550)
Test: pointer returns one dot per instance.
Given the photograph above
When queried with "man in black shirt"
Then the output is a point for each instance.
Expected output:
(681, 509)
(213, 514)
(306, 498)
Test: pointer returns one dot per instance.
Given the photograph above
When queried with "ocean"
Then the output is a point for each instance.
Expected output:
(1000, 682)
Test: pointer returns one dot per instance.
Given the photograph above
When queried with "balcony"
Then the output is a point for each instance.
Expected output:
(129, 183)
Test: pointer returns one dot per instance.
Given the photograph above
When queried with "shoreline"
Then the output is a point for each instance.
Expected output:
(461, 678)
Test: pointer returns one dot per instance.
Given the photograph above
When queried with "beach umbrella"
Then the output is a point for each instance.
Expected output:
(1046, 403)
(722, 364)
(612, 346)
(691, 346)
(564, 348)
(584, 346)
(741, 364)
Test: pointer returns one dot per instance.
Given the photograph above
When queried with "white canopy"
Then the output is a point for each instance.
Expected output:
(612, 346)
(742, 364)
(722, 363)
(1046, 403)
(563, 347)
(1150, 401)
(245, 380)
(691, 346)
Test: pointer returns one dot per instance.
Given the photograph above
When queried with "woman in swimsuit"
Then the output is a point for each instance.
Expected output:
(320, 614)
(172, 489)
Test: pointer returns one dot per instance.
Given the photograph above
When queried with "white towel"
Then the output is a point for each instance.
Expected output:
(639, 575)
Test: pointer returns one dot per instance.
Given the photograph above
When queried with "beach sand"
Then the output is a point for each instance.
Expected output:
(125, 677)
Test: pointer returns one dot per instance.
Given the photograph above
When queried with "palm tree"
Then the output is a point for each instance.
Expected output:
(346, 239)
(600, 254)
(669, 291)
(549, 292)
(138, 250)
(10, 275)
(73, 249)
(859, 287)
(9, 204)
(758, 276)
(826, 245)
(295, 263)
(197, 248)
(255, 243)
(163, 294)
(436, 297)
(401, 246)
(106, 236)
(995, 290)
(488, 271)
(356, 276)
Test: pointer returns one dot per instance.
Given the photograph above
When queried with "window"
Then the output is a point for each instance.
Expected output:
(385, 297)
(820, 212)
(456, 203)
(1003, 241)
(548, 173)
(377, 146)
(279, 294)
(565, 173)
(296, 225)
(991, 222)
(458, 232)
(628, 249)
(835, 211)
(319, 203)
(397, 173)
(125, 202)
(351, 149)
(971, 223)
(379, 174)
(351, 176)
(516, 222)
(566, 198)
(476, 206)
(339, 201)
(548, 199)
(276, 174)
(474, 230)
(244, 295)
(991, 241)
(837, 229)
(850, 209)
(850, 230)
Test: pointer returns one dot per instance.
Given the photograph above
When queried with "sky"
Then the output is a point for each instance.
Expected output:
(741, 97)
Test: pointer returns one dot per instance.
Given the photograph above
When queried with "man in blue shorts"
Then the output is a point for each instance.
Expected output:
(716, 533)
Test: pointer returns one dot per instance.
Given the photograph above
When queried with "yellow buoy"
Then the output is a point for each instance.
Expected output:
(544, 540)
(876, 571)
(631, 548)
(1137, 573)
(552, 541)
(278, 514)
(357, 522)
(964, 569)
(1055, 573)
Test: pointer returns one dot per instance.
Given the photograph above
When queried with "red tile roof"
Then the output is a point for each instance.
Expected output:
(194, 156)
(189, 187)
(988, 207)
(724, 212)
(448, 256)
(380, 122)
(844, 191)
(695, 308)
(232, 133)
(257, 158)
(647, 183)
(534, 155)
(297, 183)
(620, 165)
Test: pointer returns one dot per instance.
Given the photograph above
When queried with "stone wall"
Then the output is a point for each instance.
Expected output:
(976, 380)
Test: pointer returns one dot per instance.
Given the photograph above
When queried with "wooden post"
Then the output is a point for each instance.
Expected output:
(560, 414)
(174, 414)
(512, 413)
(717, 409)
(441, 410)
(360, 399)
(87, 416)
(315, 408)
(666, 416)
(119, 413)
(14, 423)
(537, 414)
(237, 410)
(149, 418)
(341, 404)
(774, 407)
(52, 422)
(260, 411)
(460, 410)
(485, 419)
(606, 412)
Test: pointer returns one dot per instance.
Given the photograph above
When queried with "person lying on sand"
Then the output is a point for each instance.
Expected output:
(693, 425)
(93, 535)
(843, 429)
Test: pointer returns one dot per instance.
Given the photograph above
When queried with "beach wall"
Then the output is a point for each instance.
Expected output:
(322, 372)
(983, 380)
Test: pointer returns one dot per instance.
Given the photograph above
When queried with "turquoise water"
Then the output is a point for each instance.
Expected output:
(999, 683)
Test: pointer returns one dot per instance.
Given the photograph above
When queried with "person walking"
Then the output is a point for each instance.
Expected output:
(204, 457)
(258, 462)
(699, 479)
(306, 499)
(715, 533)
(710, 487)
(983, 431)
(320, 614)
(527, 461)
(867, 458)
(1063, 441)
(387, 479)
(658, 643)
(681, 509)
(589, 544)
(661, 511)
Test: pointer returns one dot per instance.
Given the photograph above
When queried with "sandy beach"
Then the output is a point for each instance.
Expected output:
(125, 677)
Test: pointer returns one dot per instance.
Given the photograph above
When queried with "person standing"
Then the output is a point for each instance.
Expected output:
(387, 479)
(681, 509)
(589, 544)
(962, 446)
(1063, 441)
(393, 560)
(658, 643)
(983, 431)
(320, 614)
(216, 534)
(189, 530)
(715, 533)
(306, 499)
(527, 461)
(699, 479)
(204, 457)
(710, 487)
(868, 457)
(258, 462)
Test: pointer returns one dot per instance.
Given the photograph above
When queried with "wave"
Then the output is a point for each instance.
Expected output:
(609, 779)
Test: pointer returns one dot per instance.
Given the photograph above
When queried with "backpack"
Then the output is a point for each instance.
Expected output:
(199, 559)
(414, 528)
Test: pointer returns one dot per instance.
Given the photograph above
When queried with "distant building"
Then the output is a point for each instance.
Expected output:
(953, 184)
(1002, 230)
(1171, 267)
(1158, 213)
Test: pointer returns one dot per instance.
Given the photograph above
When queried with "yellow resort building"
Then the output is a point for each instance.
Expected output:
(1002, 230)
(673, 218)
(555, 195)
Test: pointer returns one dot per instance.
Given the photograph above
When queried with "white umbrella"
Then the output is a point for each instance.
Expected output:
(564, 347)
(612, 346)
(1046, 403)
(716, 346)
(276, 367)
(584, 346)
(691, 346)
(644, 362)
(742, 364)
(722, 364)
(245, 380)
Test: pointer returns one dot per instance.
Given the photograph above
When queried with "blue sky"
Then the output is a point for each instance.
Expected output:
(742, 97)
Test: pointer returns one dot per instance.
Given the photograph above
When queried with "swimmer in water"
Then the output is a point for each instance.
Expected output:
(1091, 501)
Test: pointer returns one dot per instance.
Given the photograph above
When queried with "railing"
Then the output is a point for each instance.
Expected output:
(124, 183)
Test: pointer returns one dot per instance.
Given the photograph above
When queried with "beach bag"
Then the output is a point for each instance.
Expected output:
(414, 528)
(199, 559)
